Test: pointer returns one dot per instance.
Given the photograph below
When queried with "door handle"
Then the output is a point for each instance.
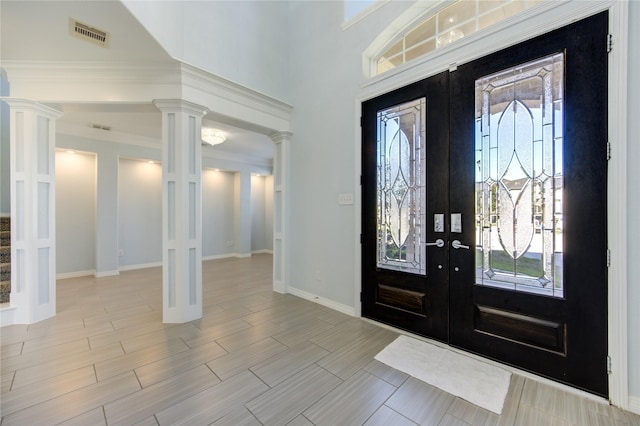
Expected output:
(438, 243)
(458, 245)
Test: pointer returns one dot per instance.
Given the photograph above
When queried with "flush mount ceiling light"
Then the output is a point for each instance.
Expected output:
(213, 136)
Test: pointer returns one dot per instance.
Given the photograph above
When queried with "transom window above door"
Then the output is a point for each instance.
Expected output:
(451, 23)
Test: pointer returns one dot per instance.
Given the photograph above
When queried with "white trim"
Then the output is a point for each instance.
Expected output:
(7, 316)
(617, 208)
(357, 211)
(531, 23)
(227, 256)
(363, 14)
(263, 251)
(106, 274)
(345, 309)
(139, 266)
(634, 404)
(76, 274)
(537, 21)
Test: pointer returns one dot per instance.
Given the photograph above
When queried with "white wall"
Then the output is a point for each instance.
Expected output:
(326, 74)
(139, 213)
(217, 213)
(242, 41)
(75, 213)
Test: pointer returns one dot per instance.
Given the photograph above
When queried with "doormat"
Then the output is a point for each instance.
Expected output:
(475, 381)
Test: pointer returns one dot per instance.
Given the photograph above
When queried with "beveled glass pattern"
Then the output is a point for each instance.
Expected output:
(400, 187)
(519, 177)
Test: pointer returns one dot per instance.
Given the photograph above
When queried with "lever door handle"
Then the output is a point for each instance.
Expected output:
(438, 243)
(458, 245)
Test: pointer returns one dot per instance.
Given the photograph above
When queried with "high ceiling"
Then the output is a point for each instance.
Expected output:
(38, 31)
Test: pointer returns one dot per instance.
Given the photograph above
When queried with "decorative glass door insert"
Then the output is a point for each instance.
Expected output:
(400, 187)
(519, 177)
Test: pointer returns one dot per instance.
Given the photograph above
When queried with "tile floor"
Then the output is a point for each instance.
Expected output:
(255, 358)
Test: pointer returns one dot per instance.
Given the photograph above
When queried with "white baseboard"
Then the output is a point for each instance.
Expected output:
(6, 314)
(219, 256)
(634, 404)
(106, 274)
(66, 275)
(349, 310)
(226, 256)
(264, 251)
(140, 266)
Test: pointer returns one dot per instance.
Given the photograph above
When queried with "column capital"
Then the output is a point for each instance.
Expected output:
(29, 105)
(175, 105)
(279, 137)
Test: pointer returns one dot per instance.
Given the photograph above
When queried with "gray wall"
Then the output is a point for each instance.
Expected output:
(139, 212)
(261, 214)
(75, 212)
(128, 208)
(633, 199)
(217, 213)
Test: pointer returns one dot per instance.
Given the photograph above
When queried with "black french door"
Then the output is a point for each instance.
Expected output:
(484, 206)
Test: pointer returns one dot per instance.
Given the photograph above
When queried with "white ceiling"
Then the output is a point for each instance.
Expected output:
(39, 31)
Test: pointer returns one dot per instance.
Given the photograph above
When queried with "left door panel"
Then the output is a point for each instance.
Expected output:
(405, 142)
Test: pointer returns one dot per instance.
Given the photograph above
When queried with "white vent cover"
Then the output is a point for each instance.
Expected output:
(100, 126)
(88, 33)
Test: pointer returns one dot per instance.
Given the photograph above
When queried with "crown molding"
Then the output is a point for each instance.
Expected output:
(95, 72)
(220, 87)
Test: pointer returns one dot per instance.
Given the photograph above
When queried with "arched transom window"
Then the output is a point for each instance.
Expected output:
(458, 20)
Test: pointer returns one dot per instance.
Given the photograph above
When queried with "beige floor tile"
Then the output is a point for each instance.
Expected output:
(284, 402)
(75, 403)
(215, 402)
(27, 396)
(148, 401)
(353, 402)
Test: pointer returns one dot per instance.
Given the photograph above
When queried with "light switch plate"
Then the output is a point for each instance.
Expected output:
(345, 199)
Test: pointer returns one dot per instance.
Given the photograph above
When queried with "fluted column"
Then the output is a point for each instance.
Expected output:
(181, 210)
(282, 141)
(33, 232)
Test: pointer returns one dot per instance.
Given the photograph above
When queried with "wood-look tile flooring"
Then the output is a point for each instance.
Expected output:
(256, 357)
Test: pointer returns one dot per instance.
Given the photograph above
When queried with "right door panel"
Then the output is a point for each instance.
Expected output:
(528, 180)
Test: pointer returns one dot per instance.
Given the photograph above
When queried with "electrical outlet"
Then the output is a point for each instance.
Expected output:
(229, 243)
(120, 252)
(318, 276)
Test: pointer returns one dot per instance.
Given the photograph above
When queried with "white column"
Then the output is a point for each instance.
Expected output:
(282, 141)
(242, 213)
(33, 233)
(181, 210)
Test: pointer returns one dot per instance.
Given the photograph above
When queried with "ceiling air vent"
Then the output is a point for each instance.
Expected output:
(100, 127)
(88, 33)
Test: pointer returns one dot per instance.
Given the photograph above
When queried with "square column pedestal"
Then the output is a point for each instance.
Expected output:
(181, 210)
(33, 224)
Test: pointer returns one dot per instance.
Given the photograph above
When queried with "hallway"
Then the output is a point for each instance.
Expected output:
(255, 357)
